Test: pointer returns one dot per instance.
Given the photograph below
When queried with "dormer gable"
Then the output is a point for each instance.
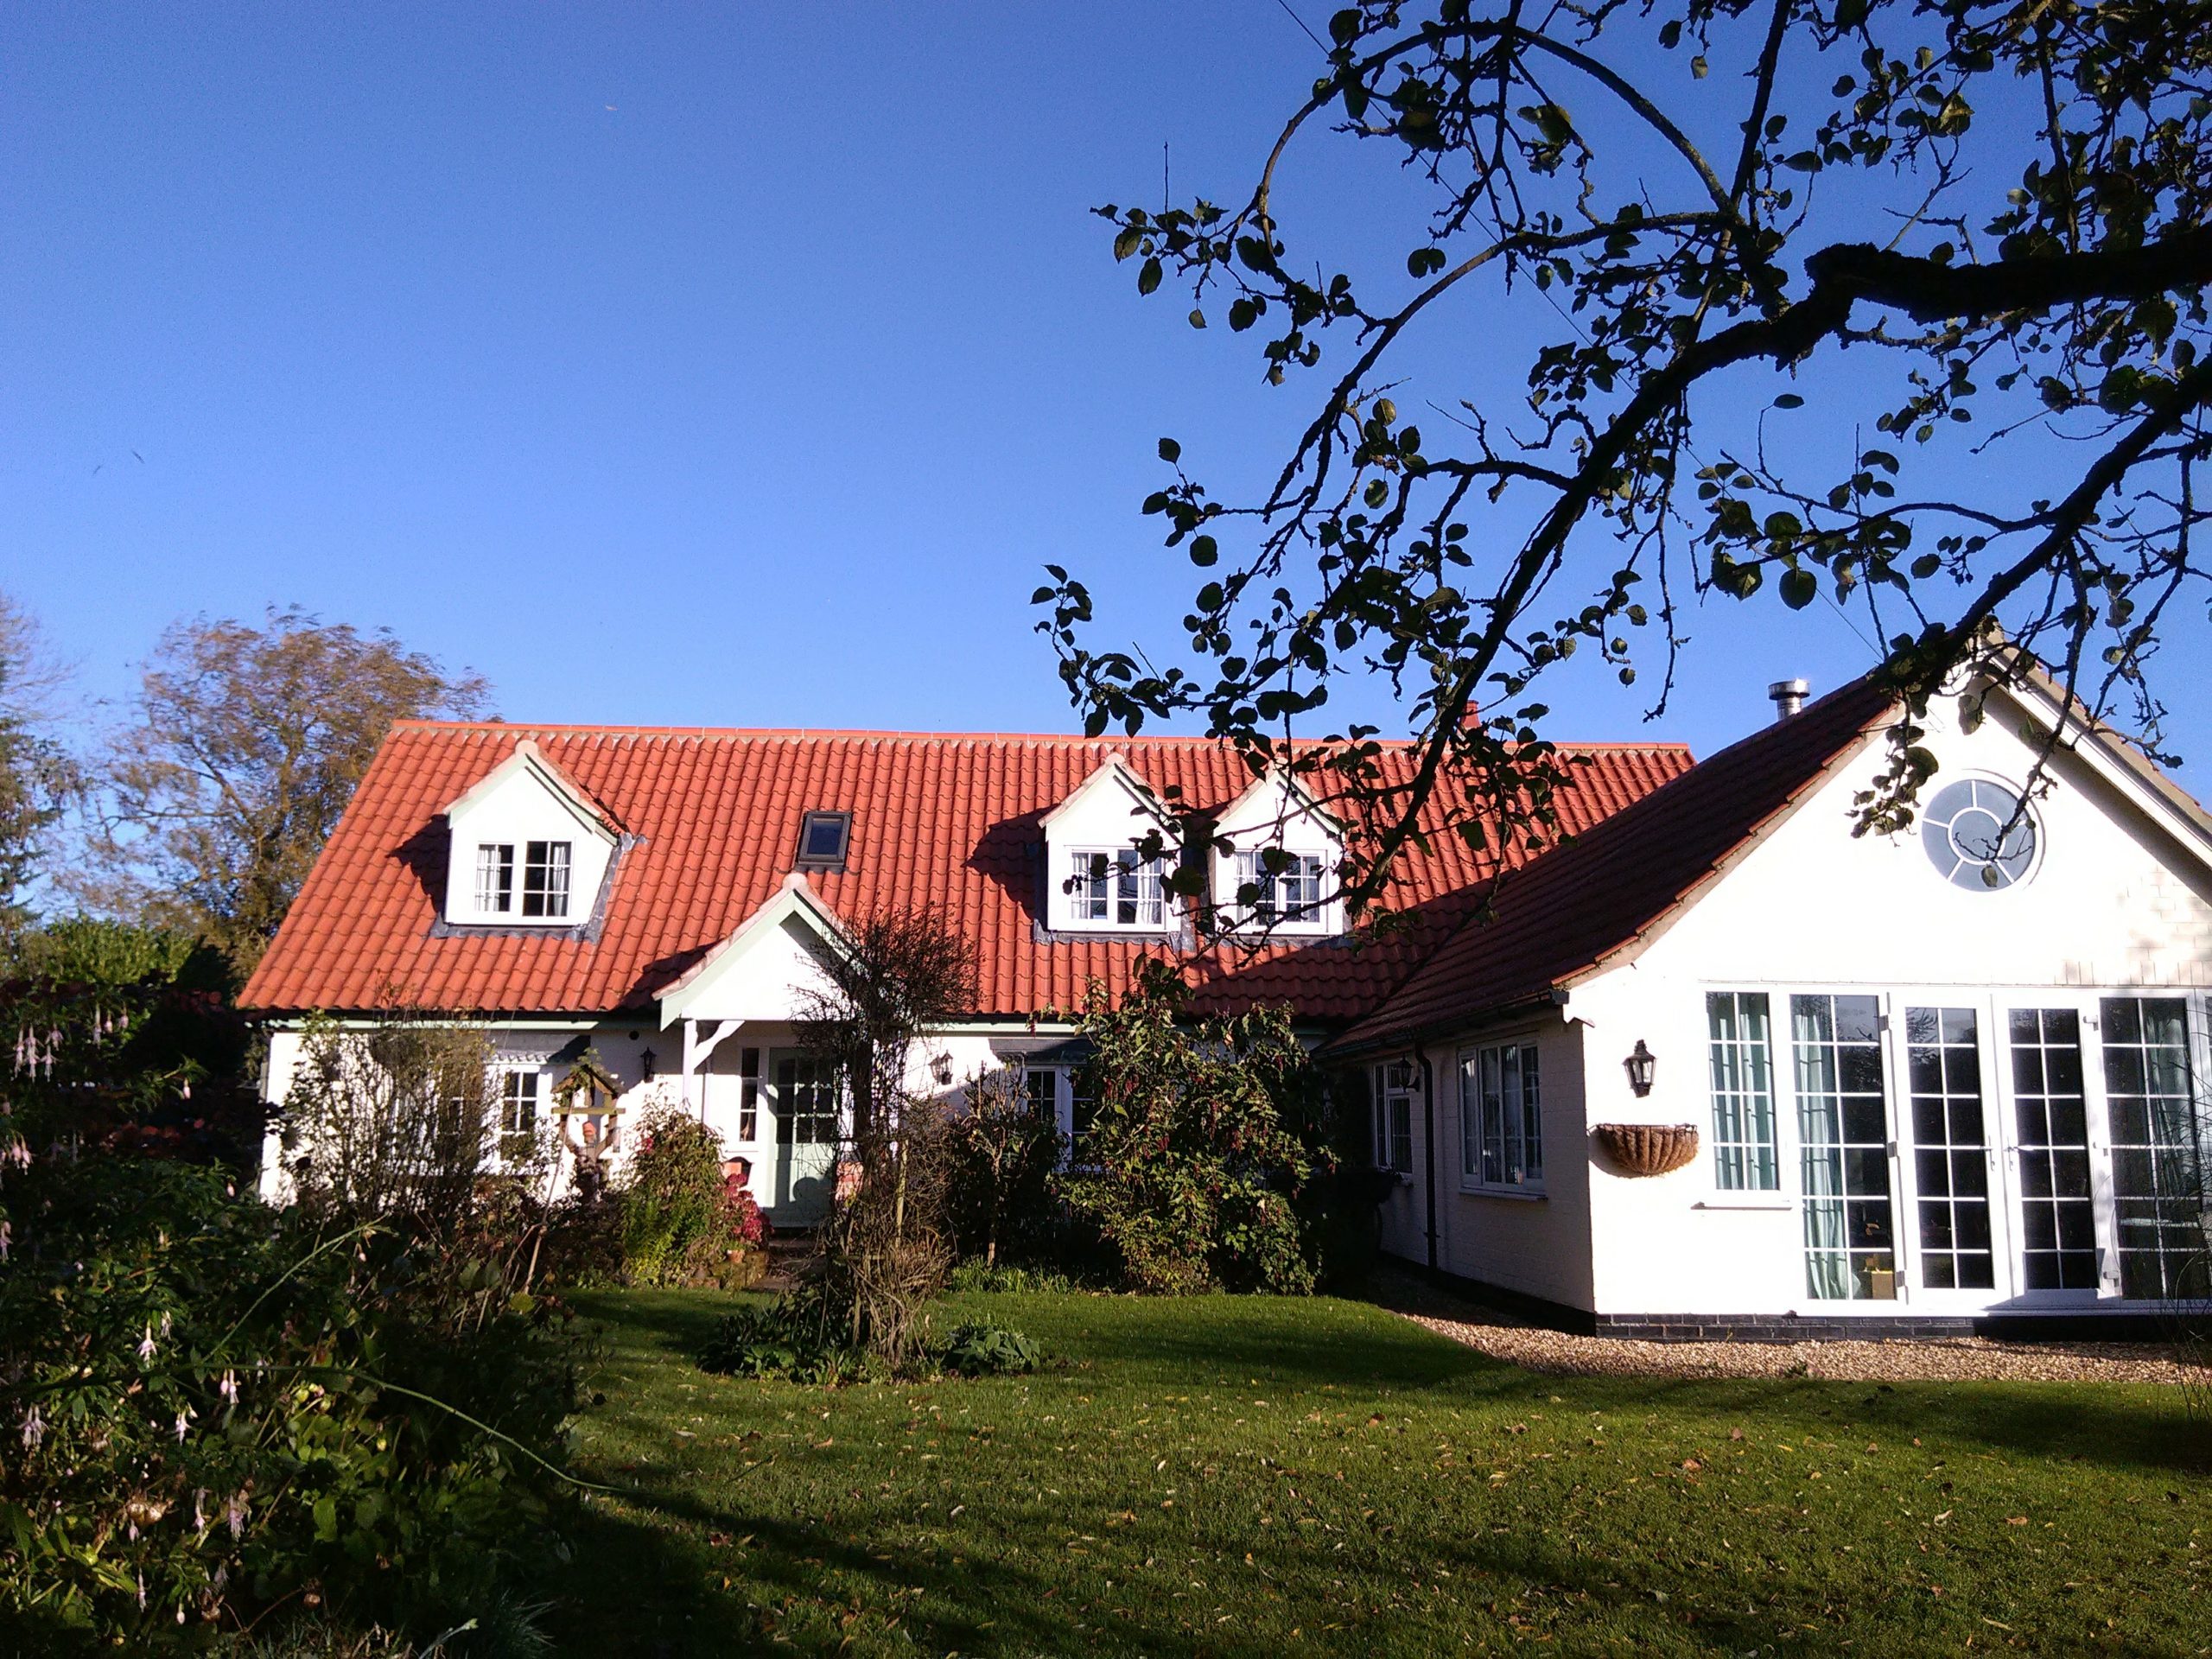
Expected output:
(1277, 838)
(1097, 880)
(530, 849)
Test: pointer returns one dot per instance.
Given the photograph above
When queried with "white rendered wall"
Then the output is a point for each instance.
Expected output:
(2114, 903)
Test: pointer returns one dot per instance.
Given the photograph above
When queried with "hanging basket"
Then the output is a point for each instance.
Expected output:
(1647, 1148)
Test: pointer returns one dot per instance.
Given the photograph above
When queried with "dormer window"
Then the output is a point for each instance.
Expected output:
(823, 838)
(545, 869)
(1290, 893)
(1116, 887)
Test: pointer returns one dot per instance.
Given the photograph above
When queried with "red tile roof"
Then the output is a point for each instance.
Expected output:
(1602, 896)
(944, 820)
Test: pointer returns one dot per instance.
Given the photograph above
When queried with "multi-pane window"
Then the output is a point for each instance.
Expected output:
(1083, 1119)
(1121, 888)
(545, 878)
(2157, 1147)
(1501, 1123)
(1394, 1115)
(2058, 1227)
(1843, 1142)
(748, 1094)
(1040, 1087)
(1950, 1143)
(806, 1103)
(495, 878)
(517, 1102)
(1745, 1153)
(1289, 893)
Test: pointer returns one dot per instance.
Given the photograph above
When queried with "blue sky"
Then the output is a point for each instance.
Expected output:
(705, 366)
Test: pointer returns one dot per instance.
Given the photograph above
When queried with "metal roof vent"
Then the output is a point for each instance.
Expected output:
(1788, 697)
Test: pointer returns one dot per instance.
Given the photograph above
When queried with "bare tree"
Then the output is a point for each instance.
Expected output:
(885, 1253)
(38, 778)
(391, 1122)
(244, 746)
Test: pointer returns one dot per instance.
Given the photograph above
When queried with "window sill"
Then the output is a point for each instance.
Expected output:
(1748, 1201)
(1511, 1194)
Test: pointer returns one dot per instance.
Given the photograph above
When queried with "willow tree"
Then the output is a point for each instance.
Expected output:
(1896, 304)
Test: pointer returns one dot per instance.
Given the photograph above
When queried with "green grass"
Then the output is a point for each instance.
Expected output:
(1244, 1475)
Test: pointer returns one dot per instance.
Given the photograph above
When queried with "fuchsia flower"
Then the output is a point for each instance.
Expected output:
(234, 1514)
(146, 1346)
(229, 1387)
(34, 1429)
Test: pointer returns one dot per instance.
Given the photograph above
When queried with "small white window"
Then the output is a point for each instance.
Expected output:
(518, 1102)
(1394, 1115)
(545, 878)
(1978, 836)
(1115, 888)
(495, 878)
(1501, 1122)
(1290, 894)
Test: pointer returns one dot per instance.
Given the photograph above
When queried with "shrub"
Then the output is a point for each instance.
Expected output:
(678, 1222)
(795, 1337)
(220, 1410)
(1206, 1145)
(981, 1348)
(1003, 1149)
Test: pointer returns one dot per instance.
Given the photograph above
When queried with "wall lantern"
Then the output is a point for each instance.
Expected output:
(645, 1060)
(1641, 1063)
(941, 1068)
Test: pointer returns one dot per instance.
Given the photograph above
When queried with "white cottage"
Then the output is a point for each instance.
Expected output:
(1946, 1077)
(1939, 1079)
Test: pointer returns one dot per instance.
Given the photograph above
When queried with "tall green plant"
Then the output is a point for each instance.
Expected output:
(1207, 1135)
(678, 1217)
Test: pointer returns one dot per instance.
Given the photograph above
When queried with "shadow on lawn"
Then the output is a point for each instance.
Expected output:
(653, 1590)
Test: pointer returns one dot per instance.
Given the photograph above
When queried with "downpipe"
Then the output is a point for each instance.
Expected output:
(1428, 1151)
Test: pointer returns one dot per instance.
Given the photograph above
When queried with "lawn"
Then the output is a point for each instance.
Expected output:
(1246, 1475)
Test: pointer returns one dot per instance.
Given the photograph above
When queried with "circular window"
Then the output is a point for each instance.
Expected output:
(1965, 830)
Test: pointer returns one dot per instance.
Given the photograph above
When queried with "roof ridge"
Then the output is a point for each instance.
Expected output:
(583, 728)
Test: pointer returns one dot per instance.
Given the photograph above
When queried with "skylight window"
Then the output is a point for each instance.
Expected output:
(822, 840)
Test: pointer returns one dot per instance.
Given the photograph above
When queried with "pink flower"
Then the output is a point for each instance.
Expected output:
(234, 1514)
(34, 1429)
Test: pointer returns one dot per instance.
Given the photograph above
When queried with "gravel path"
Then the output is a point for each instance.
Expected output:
(1971, 1359)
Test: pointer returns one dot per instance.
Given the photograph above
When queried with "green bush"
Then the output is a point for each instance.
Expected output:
(981, 1348)
(1206, 1151)
(792, 1336)
(213, 1411)
(677, 1223)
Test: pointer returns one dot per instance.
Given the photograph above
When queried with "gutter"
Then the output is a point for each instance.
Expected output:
(1552, 996)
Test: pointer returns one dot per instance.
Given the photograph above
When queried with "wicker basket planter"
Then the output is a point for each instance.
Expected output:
(1647, 1148)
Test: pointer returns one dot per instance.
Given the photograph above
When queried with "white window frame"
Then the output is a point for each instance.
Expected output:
(1736, 1081)
(1516, 1134)
(1100, 882)
(495, 878)
(1394, 1086)
(1993, 1004)
(533, 1096)
(1280, 907)
(555, 869)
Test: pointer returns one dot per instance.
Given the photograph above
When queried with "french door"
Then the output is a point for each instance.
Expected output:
(1958, 1150)
(804, 1104)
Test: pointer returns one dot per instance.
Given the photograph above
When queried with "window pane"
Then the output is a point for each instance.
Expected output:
(495, 879)
(545, 879)
(1842, 1119)
(2157, 1147)
(1745, 1150)
(2058, 1233)
(1952, 1151)
(1470, 1134)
